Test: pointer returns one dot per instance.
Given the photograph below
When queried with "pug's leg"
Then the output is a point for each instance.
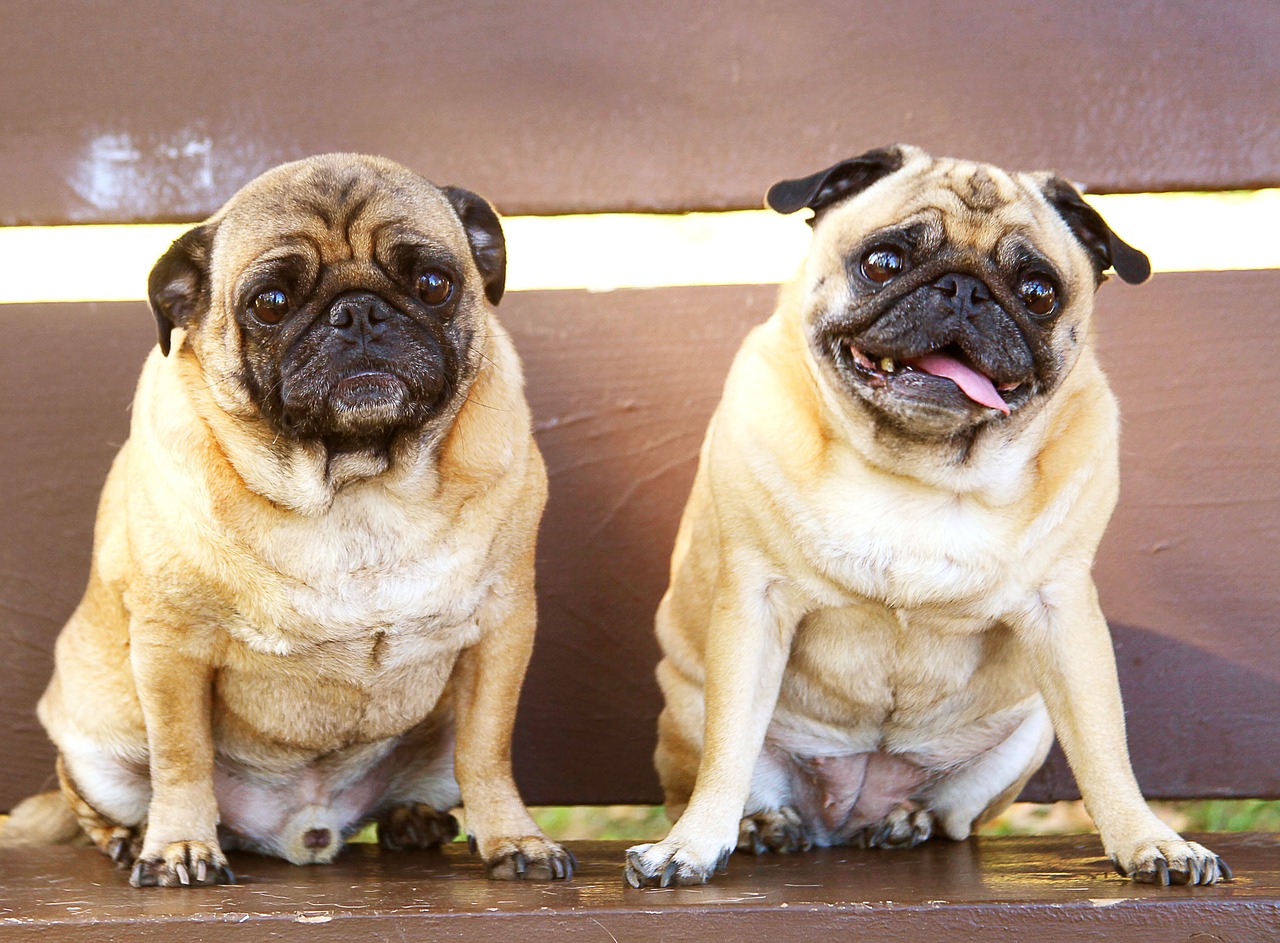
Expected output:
(984, 787)
(1067, 640)
(415, 812)
(175, 690)
(746, 655)
(772, 823)
(120, 843)
(486, 683)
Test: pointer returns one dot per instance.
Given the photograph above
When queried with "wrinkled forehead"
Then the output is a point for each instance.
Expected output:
(332, 210)
(944, 201)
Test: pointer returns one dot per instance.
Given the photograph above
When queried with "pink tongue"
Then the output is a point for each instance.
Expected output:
(974, 385)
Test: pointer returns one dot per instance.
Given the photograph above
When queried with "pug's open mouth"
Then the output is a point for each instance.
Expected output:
(943, 377)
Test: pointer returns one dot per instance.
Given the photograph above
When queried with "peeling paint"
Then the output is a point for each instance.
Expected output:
(119, 173)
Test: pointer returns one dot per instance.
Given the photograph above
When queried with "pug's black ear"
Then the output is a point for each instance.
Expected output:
(178, 288)
(820, 190)
(1105, 248)
(484, 232)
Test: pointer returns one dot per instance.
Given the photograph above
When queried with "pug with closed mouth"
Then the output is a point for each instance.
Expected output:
(311, 602)
(881, 608)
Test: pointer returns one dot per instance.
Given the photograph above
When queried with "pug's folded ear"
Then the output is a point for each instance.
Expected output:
(178, 288)
(484, 232)
(820, 190)
(1105, 248)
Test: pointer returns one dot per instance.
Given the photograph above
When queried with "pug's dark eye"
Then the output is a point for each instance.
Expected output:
(269, 306)
(881, 263)
(434, 287)
(1039, 295)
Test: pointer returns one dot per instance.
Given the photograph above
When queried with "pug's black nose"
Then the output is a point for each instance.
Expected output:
(359, 313)
(963, 294)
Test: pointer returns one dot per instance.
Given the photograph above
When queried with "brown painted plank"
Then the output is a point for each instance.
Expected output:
(1045, 889)
(122, 112)
(621, 386)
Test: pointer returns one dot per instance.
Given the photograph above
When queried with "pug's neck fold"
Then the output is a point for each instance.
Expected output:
(305, 476)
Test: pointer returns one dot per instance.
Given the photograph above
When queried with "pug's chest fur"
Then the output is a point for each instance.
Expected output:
(350, 635)
(954, 561)
(415, 584)
(907, 591)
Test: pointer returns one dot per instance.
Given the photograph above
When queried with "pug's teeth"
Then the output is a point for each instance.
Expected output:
(887, 364)
(1008, 387)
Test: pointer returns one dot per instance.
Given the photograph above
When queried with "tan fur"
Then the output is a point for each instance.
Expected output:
(44, 819)
(848, 601)
(267, 625)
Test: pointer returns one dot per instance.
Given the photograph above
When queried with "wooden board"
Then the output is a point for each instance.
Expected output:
(122, 112)
(621, 386)
(1044, 889)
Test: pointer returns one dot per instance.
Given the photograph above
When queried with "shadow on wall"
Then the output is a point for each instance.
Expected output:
(1164, 678)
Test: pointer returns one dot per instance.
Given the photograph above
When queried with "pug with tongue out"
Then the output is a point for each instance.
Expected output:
(881, 609)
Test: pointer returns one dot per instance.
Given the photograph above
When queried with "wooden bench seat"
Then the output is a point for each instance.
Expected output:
(1034, 889)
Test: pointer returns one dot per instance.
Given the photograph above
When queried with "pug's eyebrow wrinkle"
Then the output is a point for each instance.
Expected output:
(353, 217)
(1180, 232)
(980, 192)
(322, 213)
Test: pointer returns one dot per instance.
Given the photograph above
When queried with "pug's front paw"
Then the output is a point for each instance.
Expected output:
(183, 864)
(1171, 862)
(675, 862)
(528, 858)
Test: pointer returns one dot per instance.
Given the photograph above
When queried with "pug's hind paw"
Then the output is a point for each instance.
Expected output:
(1172, 862)
(778, 830)
(120, 843)
(183, 864)
(530, 858)
(904, 827)
(415, 825)
(669, 863)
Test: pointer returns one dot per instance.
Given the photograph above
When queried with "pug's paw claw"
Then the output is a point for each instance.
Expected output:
(1172, 862)
(779, 830)
(122, 845)
(671, 864)
(529, 858)
(182, 864)
(415, 825)
(904, 827)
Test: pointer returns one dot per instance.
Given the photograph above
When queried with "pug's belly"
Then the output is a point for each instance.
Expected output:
(304, 757)
(258, 805)
(294, 707)
(877, 705)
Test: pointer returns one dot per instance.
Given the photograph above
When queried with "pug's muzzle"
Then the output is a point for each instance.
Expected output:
(363, 367)
(939, 351)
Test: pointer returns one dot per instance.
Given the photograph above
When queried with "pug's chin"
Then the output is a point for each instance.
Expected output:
(914, 404)
(359, 412)
(922, 418)
(368, 405)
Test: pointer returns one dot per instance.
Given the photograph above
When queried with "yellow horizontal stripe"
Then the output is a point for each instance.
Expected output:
(1179, 231)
